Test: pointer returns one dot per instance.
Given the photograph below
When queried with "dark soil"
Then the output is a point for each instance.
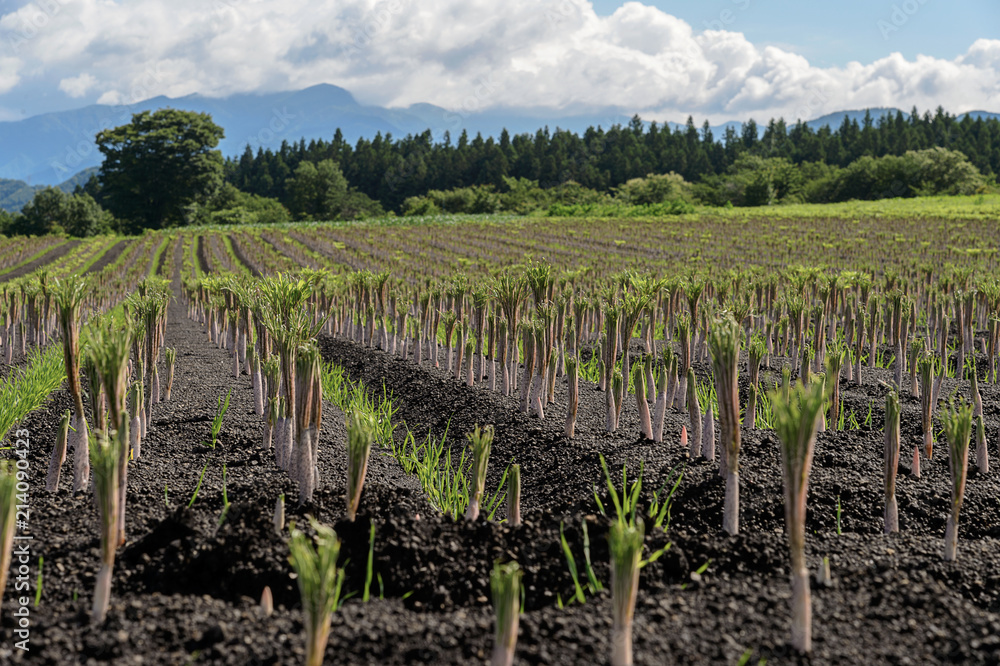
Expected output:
(109, 256)
(47, 258)
(185, 589)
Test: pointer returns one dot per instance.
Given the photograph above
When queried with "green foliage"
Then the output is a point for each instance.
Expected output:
(160, 167)
(320, 582)
(53, 211)
(752, 180)
(603, 159)
(319, 191)
(654, 189)
(232, 206)
(26, 388)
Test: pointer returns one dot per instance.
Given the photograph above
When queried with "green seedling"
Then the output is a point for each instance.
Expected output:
(225, 497)
(198, 487)
(220, 414)
(320, 582)
(38, 582)
(368, 571)
(505, 583)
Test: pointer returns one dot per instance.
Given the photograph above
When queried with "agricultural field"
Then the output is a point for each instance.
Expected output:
(727, 438)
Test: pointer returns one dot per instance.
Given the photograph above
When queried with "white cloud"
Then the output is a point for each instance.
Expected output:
(465, 54)
(9, 76)
(77, 86)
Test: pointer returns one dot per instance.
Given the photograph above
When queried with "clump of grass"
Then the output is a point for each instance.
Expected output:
(797, 415)
(957, 421)
(505, 583)
(360, 434)
(482, 443)
(320, 582)
(104, 460)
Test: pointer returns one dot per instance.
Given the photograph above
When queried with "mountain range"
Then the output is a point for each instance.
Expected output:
(52, 148)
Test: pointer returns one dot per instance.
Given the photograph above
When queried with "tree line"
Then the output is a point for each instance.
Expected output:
(163, 170)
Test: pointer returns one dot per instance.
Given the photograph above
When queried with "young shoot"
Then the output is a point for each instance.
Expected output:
(724, 342)
(514, 496)
(892, 439)
(360, 434)
(505, 583)
(220, 414)
(625, 545)
(68, 296)
(482, 443)
(573, 381)
(171, 356)
(320, 581)
(957, 421)
(104, 461)
(58, 454)
(797, 418)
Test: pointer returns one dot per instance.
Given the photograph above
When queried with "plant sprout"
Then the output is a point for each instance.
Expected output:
(660, 406)
(320, 581)
(308, 412)
(625, 543)
(68, 295)
(982, 450)
(928, 397)
(104, 459)
(482, 443)
(360, 434)
(892, 438)
(58, 455)
(505, 583)
(957, 421)
(220, 414)
(724, 342)
(573, 382)
(514, 496)
(797, 416)
(755, 354)
(109, 347)
(639, 380)
(170, 354)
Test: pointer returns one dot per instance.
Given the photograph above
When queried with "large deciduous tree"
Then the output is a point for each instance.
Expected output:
(160, 166)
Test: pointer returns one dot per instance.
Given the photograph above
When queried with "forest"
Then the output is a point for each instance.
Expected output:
(148, 181)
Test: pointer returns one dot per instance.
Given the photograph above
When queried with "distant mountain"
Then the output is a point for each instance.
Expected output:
(51, 148)
(15, 193)
(834, 120)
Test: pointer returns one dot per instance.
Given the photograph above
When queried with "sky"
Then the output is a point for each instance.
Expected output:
(715, 59)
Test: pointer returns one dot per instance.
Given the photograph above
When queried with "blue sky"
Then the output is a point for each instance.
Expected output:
(715, 59)
(833, 33)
